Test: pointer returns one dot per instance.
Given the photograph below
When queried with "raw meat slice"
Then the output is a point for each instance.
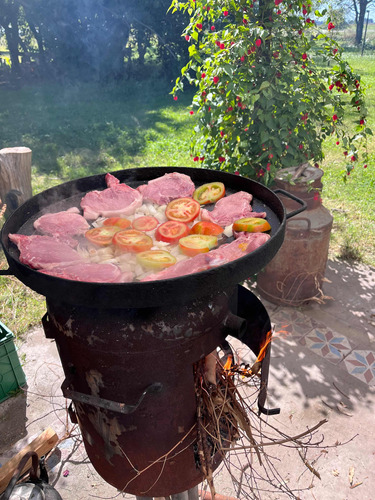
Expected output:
(116, 201)
(243, 245)
(63, 225)
(44, 251)
(167, 188)
(90, 272)
(188, 266)
(230, 208)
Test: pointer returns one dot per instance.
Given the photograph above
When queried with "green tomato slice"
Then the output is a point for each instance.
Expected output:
(197, 243)
(209, 193)
(155, 259)
(251, 225)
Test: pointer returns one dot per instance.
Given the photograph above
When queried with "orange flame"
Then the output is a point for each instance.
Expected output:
(264, 345)
(228, 363)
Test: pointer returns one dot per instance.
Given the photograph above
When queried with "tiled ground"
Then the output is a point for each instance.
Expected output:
(361, 364)
(294, 327)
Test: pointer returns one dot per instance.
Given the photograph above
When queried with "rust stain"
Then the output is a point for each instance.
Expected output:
(94, 380)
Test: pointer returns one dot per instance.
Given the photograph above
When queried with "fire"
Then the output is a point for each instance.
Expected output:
(247, 371)
(264, 345)
(228, 363)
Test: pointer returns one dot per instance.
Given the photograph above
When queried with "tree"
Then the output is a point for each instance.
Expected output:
(270, 87)
(9, 13)
(93, 40)
(360, 7)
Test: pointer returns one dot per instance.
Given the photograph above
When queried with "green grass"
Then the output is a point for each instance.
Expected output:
(352, 203)
(76, 131)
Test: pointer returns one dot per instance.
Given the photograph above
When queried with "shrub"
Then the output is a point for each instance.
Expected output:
(270, 87)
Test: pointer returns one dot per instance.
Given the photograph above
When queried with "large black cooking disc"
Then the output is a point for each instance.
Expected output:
(147, 294)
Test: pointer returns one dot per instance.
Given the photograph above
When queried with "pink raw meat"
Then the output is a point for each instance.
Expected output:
(44, 251)
(63, 225)
(90, 272)
(116, 201)
(243, 245)
(230, 208)
(167, 188)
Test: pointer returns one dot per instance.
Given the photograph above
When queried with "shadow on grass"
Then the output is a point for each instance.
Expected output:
(85, 129)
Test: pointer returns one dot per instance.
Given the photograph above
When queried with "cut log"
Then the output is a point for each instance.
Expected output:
(41, 445)
(15, 177)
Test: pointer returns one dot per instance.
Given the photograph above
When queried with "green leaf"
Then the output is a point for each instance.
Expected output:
(264, 136)
(192, 50)
(194, 36)
(264, 85)
(228, 69)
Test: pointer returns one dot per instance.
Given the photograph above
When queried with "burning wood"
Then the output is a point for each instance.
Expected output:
(228, 426)
(245, 370)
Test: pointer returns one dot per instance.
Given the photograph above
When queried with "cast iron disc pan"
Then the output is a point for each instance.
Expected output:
(141, 294)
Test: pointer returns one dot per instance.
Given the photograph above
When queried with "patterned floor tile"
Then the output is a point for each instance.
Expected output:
(327, 344)
(361, 364)
(292, 324)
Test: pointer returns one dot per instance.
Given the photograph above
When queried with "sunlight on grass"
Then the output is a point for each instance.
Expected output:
(352, 203)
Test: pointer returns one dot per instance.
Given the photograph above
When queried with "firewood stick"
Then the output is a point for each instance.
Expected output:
(41, 445)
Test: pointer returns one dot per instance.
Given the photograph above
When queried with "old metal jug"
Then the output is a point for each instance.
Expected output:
(295, 275)
(33, 489)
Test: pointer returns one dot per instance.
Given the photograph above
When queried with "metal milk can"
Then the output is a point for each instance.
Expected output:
(295, 274)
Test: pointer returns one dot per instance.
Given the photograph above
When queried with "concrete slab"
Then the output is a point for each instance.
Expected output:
(322, 366)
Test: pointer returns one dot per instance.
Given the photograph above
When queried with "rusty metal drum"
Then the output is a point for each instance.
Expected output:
(295, 275)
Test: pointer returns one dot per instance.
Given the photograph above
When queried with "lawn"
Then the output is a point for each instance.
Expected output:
(352, 203)
(79, 130)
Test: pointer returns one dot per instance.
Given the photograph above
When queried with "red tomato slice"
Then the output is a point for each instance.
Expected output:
(117, 221)
(182, 210)
(251, 225)
(206, 227)
(145, 223)
(171, 231)
(102, 236)
(197, 243)
(131, 240)
(156, 259)
(209, 193)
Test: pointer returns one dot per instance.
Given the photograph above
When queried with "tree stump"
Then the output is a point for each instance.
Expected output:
(15, 177)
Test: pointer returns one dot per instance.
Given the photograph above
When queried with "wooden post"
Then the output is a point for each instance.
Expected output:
(15, 177)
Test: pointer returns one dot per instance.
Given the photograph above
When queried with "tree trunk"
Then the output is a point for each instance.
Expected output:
(39, 40)
(15, 177)
(11, 35)
(360, 21)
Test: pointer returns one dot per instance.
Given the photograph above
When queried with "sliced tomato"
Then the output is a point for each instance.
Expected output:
(209, 193)
(156, 259)
(132, 240)
(182, 210)
(117, 221)
(251, 225)
(197, 243)
(171, 231)
(102, 236)
(206, 227)
(145, 223)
